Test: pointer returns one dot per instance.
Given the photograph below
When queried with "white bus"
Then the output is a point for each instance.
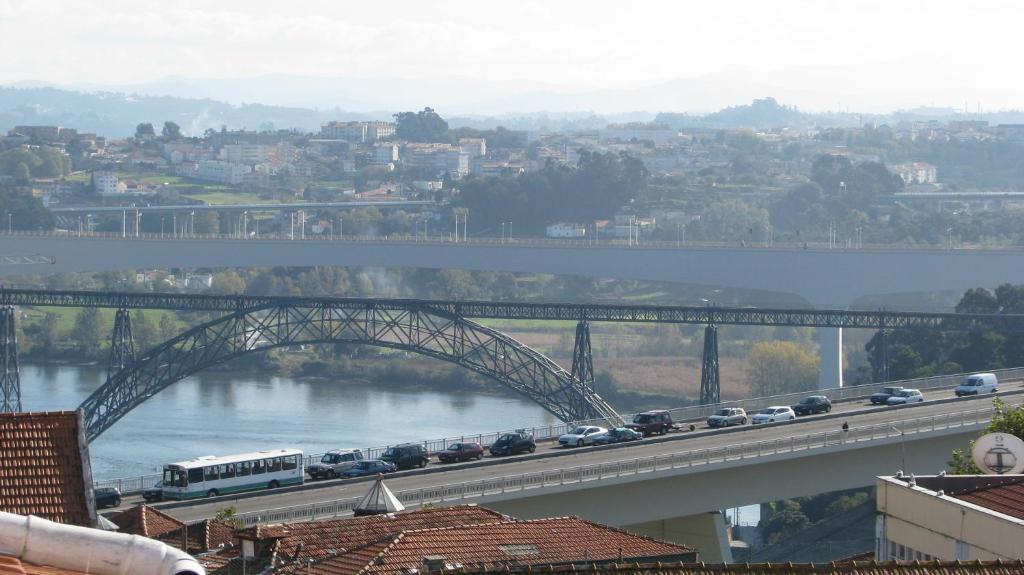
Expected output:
(210, 476)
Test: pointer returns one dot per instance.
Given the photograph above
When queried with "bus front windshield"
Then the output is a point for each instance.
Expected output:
(175, 477)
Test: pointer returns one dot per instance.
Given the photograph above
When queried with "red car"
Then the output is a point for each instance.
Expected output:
(461, 452)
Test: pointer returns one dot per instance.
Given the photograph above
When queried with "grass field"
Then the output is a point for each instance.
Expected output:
(225, 198)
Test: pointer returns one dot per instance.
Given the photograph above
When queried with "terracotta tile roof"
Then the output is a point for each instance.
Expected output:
(146, 521)
(1005, 499)
(497, 545)
(837, 568)
(13, 566)
(321, 539)
(43, 471)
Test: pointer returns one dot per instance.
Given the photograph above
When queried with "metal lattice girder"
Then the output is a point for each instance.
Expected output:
(412, 328)
(710, 385)
(10, 377)
(702, 315)
(122, 343)
(583, 359)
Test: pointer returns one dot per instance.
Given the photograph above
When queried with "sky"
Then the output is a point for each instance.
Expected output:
(820, 55)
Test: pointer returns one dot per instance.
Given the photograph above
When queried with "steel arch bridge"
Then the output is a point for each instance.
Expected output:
(398, 325)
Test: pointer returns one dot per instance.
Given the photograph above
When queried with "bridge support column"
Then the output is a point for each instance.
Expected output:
(122, 343)
(705, 532)
(10, 377)
(830, 340)
(710, 386)
(583, 364)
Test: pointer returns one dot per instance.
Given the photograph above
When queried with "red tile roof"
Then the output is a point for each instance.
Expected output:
(146, 521)
(199, 536)
(1005, 499)
(538, 542)
(13, 566)
(44, 472)
(836, 568)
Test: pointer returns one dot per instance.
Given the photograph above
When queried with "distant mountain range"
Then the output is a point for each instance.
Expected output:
(116, 113)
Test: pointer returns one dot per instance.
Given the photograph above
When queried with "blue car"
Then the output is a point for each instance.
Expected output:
(370, 467)
(617, 435)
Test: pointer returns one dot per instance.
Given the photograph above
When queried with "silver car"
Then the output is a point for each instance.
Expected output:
(728, 416)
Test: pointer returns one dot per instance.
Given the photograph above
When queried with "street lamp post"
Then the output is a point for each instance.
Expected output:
(903, 449)
(161, 227)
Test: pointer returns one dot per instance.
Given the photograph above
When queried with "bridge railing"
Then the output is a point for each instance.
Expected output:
(636, 466)
(689, 414)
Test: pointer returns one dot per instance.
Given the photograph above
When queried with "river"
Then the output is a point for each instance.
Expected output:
(219, 413)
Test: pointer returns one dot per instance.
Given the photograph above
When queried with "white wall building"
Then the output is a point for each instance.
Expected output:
(566, 230)
(222, 172)
(108, 184)
(244, 153)
(385, 154)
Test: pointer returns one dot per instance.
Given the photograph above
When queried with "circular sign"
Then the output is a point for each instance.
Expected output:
(999, 454)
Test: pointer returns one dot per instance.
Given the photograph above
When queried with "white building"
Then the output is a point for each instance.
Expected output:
(384, 154)
(475, 147)
(244, 153)
(566, 230)
(222, 172)
(108, 184)
(358, 132)
(438, 158)
(916, 173)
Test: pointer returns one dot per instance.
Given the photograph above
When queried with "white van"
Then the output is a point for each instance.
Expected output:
(978, 383)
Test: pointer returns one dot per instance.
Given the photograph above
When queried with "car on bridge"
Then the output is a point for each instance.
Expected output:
(107, 497)
(813, 404)
(406, 456)
(513, 443)
(905, 396)
(369, 467)
(618, 435)
(728, 416)
(334, 463)
(465, 451)
(773, 414)
(651, 422)
(977, 383)
(582, 435)
(155, 493)
(882, 396)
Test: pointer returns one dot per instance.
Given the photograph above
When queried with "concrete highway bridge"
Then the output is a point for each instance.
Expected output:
(668, 487)
(825, 278)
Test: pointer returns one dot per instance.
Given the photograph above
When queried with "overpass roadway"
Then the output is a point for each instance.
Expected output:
(752, 479)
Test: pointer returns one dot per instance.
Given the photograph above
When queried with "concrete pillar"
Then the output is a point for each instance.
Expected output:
(831, 349)
(705, 532)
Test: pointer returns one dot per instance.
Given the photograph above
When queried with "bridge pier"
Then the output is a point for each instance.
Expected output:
(705, 532)
(122, 343)
(830, 340)
(10, 377)
(710, 385)
(583, 363)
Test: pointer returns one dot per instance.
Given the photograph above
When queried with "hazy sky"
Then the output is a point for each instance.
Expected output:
(820, 54)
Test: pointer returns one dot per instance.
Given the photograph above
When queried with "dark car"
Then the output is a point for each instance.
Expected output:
(461, 452)
(618, 435)
(513, 443)
(882, 397)
(813, 404)
(107, 497)
(155, 493)
(406, 456)
(369, 467)
(651, 422)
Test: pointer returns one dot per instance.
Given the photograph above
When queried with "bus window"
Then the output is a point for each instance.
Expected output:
(258, 467)
(244, 469)
(195, 475)
(168, 476)
(227, 471)
(274, 464)
(289, 462)
(212, 473)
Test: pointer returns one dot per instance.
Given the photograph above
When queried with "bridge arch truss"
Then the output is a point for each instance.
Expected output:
(405, 326)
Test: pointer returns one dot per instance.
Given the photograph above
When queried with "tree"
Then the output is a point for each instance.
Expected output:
(171, 131)
(228, 282)
(144, 131)
(423, 126)
(88, 332)
(167, 328)
(783, 525)
(1006, 419)
(776, 367)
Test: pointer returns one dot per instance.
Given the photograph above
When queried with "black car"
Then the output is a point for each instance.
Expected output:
(107, 497)
(882, 397)
(369, 467)
(513, 443)
(406, 456)
(813, 404)
(155, 493)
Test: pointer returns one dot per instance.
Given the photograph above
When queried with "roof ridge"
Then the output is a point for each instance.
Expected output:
(624, 532)
(394, 541)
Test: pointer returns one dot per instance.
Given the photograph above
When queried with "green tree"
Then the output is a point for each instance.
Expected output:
(88, 332)
(776, 367)
(1006, 419)
(144, 131)
(171, 131)
(168, 328)
(783, 525)
(228, 282)
(422, 126)
(142, 331)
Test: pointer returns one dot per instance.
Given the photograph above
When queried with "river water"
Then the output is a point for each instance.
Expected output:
(219, 413)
